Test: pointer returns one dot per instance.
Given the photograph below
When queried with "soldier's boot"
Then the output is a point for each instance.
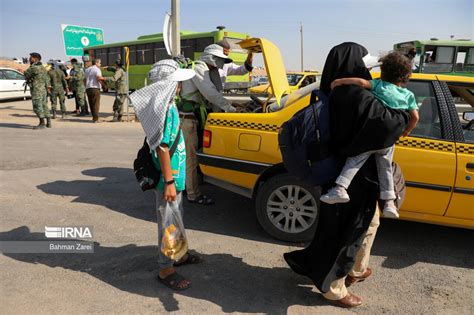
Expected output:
(116, 115)
(119, 117)
(53, 113)
(48, 122)
(63, 115)
(41, 124)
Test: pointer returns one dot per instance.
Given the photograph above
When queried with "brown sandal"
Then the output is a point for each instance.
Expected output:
(173, 280)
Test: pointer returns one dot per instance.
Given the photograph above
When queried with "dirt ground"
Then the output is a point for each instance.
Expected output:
(79, 173)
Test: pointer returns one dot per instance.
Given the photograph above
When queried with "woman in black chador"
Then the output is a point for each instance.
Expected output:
(339, 254)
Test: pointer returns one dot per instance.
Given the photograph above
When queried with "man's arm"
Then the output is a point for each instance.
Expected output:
(28, 73)
(64, 82)
(117, 75)
(356, 81)
(414, 118)
(205, 86)
(100, 78)
(233, 69)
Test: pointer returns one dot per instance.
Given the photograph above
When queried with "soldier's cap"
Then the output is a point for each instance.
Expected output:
(73, 60)
(35, 55)
(118, 62)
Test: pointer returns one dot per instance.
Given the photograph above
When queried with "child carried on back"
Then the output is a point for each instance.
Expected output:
(390, 90)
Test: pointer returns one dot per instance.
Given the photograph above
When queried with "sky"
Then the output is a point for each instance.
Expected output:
(28, 26)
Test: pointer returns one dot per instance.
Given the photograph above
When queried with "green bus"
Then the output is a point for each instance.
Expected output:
(452, 57)
(148, 49)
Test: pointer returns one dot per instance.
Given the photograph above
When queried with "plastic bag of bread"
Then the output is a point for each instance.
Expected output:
(174, 243)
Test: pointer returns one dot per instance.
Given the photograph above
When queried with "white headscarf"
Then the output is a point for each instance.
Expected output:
(152, 102)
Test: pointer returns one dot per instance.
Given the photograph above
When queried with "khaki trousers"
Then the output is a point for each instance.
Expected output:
(190, 133)
(338, 288)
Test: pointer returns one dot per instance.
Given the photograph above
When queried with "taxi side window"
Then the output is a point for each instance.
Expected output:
(463, 96)
(429, 125)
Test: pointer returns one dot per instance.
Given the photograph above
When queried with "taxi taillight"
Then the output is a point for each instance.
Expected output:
(207, 139)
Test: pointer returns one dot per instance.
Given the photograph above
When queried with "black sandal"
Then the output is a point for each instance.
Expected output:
(173, 280)
(191, 260)
(202, 200)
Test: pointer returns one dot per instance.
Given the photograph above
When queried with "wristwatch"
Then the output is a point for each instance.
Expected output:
(170, 182)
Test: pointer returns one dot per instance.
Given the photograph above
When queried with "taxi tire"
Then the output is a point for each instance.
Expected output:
(264, 194)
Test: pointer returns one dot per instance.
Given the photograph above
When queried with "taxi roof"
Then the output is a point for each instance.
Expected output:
(431, 77)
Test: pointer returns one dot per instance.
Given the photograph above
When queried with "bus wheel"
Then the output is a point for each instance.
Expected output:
(288, 208)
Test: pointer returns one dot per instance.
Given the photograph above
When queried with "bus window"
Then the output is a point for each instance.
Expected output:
(465, 59)
(114, 54)
(132, 54)
(188, 47)
(202, 43)
(144, 54)
(160, 51)
(102, 55)
(438, 59)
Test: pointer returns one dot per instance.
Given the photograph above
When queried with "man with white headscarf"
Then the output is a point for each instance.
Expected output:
(200, 94)
(155, 107)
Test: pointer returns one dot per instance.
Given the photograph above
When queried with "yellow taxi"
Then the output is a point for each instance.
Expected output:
(241, 154)
(296, 81)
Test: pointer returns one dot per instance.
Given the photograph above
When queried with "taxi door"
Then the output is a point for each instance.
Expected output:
(428, 157)
(462, 201)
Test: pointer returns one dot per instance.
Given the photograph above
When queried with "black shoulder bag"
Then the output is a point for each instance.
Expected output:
(145, 171)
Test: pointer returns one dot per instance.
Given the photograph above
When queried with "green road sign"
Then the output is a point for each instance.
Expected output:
(78, 37)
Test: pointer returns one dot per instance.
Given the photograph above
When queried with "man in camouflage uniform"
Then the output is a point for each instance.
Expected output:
(120, 79)
(77, 83)
(39, 82)
(59, 87)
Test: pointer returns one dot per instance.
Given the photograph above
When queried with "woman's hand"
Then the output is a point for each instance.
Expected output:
(169, 193)
(336, 83)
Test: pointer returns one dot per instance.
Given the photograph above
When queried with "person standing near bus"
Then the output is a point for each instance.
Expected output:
(59, 87)
(231, 68)
(94, 80)
(38, 80)
(121, 92)
(78, 87)
(198, 95)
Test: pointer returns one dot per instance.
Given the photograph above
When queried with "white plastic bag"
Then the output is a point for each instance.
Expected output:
(174, 243)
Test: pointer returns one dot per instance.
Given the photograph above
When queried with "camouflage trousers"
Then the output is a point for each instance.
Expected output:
(81, 102)
(54, 100)
(119, 103)
(40, 106)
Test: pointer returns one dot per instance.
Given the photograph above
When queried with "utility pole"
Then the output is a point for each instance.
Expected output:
(175, 35)
(301, 31)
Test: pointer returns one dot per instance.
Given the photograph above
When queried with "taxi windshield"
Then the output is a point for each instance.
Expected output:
(293, 78)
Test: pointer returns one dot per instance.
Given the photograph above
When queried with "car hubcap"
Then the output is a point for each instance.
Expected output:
(292, 209)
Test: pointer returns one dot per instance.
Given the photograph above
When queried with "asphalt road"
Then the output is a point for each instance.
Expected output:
(79, 173)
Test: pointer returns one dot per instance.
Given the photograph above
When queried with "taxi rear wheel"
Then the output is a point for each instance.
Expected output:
(287, 208)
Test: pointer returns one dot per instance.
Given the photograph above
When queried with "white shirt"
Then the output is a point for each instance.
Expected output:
(231, 69)
(91, 77)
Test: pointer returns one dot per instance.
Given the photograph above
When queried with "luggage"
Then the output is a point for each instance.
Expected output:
(304, 143)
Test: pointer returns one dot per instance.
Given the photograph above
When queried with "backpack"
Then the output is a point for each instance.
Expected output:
(146, 173)
(304, 143)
